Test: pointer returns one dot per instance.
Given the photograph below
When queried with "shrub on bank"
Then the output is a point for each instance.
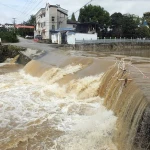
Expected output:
(8, 36)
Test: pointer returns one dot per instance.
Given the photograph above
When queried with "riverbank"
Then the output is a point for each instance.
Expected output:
(130, 49)
(79, 84)
(19, 54)
(9, 51)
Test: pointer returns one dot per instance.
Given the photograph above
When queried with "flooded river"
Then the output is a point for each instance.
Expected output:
(38, 113)
(54, 103)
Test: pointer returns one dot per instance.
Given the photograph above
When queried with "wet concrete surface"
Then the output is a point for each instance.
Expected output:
(141, 75)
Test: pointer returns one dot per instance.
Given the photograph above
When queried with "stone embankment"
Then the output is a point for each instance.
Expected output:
(9, 51)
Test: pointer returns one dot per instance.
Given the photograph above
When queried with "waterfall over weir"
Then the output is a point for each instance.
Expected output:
(132, 109)
(71, 103)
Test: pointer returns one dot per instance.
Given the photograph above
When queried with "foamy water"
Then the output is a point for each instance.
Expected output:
(39, 114)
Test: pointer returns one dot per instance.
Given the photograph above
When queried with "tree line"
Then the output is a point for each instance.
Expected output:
(25, 31)
(115, 25)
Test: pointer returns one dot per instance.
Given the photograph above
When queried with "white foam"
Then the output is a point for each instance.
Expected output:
(55, 74)
(3, 64)
(29, 106)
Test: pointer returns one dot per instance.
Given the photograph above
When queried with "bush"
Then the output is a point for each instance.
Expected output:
(8, 36)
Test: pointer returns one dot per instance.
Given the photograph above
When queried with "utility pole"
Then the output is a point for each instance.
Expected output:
(14, 21)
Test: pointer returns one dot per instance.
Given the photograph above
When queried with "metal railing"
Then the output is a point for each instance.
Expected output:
(108, 41)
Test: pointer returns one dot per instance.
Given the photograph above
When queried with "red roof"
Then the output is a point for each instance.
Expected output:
(24, 26)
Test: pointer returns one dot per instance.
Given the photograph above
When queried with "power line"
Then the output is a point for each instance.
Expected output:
(10, 7)
(70, 15)
(25, 12)
(78, 9)
(34, 8)
(26, 6)
(28, 12)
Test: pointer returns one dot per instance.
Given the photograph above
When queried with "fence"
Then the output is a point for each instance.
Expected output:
(107, 41)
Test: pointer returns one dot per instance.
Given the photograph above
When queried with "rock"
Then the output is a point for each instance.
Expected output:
(10, 51)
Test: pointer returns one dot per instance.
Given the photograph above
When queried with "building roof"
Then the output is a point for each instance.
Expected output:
(145, 23)
(62, 30)
(53, 6)
(8, 24)
(40, 10)
(62, 12)
(24, 26)
(88, 23)
(72, 22)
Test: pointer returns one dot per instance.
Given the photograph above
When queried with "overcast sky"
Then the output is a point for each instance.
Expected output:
(22, 9)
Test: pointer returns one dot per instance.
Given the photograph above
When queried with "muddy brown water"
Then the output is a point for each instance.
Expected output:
(71, 100)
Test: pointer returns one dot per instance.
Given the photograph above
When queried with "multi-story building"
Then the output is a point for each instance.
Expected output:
(52, 17)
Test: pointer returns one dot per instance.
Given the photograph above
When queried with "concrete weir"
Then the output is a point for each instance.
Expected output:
(130, 101)
(124, 91)
(131, 104)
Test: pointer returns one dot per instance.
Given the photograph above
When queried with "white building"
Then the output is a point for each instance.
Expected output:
(8, 26)
(72, 24)
(52, 17)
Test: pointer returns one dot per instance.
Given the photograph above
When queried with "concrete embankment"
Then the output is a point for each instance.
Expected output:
(131, 105)
(133, 49)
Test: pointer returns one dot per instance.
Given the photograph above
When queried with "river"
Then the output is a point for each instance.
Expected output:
(56, 107)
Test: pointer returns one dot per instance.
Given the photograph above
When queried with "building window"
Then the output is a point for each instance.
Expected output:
(53, 18)
(53, 27)
(43, 24)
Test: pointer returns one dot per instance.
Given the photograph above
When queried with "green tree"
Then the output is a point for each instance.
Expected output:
(97, 14)
(116, 20)
(73, 18)
(129, 25)
(143, 32)
(31, 21)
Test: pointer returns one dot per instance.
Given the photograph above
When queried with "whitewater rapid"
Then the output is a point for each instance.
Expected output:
(36, 113)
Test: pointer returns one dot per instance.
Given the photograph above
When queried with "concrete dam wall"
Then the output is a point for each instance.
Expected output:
(131, 107)
(129, 102)
(68, 102)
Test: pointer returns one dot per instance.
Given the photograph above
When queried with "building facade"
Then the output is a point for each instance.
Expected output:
(9, 26)
(50, 18)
